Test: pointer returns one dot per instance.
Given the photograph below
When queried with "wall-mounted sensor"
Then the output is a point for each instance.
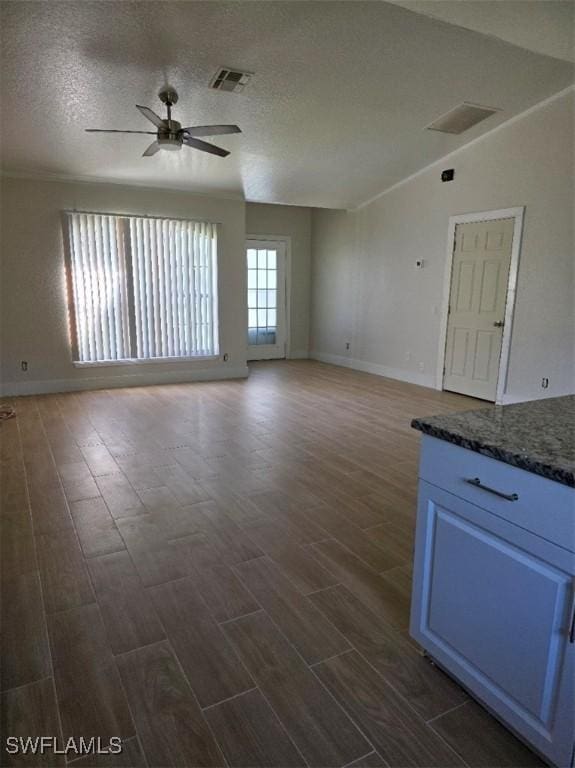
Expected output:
(448, 175)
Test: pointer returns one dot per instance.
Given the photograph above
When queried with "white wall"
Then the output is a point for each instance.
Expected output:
(295, 223)
(34, 323)
(366, 290)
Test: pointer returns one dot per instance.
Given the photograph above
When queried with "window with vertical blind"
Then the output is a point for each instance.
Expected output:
(140, 288)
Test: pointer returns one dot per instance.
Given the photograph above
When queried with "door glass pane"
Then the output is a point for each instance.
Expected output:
(262, 296)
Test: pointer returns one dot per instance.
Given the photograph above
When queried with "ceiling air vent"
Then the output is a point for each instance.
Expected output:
(461, 118)
(230, 80)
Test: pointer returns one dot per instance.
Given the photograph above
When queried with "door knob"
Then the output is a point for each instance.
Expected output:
(499, 323)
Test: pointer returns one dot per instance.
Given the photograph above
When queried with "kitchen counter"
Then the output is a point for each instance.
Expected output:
(537, 436)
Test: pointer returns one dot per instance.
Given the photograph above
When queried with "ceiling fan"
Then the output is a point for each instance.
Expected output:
(170, 134)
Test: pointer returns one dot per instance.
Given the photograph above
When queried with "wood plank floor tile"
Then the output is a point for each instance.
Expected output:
(83, 662)
(65, 580)
(319, 728)
(231, 473)
(158, 498)
(184, 487)
(157, 560)
(297, 617)
(99, 460)
(429, 691)
(400, 737)
(207, 658)
(220, 588)
(73, 473)
(131, 756)
(120, 497)
(250, 734)
(95, 527)
(84, 489)
(373, 760)
(303, 570)
(231, 542)
(127, 611)
(170, 725)
(24, 651)
(289, 514)
(30, 711)
(17, 549)
(481, 740)
(352, 537)
(368, 585)
(50, 512)
(397, 540)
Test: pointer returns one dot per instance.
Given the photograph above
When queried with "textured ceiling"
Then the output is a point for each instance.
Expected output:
(543, 26)
(334, 114)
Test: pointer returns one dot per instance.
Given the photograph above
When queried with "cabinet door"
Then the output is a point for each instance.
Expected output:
(492, 603)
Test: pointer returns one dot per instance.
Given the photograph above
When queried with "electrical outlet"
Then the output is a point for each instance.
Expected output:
(422, 367)
(226, 357)
(407, 356)
(347, 345)
(24, 365)
(544, 382)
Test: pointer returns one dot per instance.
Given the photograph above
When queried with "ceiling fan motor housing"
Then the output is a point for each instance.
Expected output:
(171, 138)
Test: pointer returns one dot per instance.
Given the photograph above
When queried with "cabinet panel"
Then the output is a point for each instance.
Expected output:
(478, 604)
(543, 507)
(492, 604)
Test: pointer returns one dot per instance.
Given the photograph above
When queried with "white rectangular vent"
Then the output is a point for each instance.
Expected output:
(461, 118)
(230, 80)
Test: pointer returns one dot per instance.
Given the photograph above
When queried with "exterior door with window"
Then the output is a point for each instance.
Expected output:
(478, 294)
(266, 299)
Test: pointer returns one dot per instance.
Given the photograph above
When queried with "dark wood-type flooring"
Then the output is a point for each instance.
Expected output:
(220, 573)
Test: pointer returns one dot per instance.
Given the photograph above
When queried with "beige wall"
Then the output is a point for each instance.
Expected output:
(295, 223)
(366, 290)
(34, 325)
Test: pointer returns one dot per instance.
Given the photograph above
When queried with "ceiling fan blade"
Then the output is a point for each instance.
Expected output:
(204, 146)
(211, 130)
(114, 130)
(152, 149)
(152, 116)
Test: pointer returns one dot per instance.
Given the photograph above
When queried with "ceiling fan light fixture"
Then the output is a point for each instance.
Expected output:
(170, 135)
(171, 143)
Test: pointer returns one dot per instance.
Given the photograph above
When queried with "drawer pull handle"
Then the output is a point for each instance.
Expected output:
(572, 622)
(478, 484)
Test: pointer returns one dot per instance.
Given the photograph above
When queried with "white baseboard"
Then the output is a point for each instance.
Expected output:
(15, 388)
(299, 354)
(411, 377)
(510, 399)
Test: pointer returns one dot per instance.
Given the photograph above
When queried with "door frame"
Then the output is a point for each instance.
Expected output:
(286, 240)
(518, 215)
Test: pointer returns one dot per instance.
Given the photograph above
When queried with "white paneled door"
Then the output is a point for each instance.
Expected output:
(266, 265)
(479, 277)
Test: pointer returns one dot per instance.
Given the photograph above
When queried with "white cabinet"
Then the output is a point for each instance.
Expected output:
(493, 601)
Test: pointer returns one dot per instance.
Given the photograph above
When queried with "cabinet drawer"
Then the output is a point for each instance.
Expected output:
(542, 506)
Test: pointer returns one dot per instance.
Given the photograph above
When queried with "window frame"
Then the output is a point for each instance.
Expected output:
(127, 246)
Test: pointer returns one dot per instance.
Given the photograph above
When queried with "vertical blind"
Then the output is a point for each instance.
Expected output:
(141, 288)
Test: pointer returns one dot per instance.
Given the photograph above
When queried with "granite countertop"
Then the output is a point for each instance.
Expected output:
(538, 436)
